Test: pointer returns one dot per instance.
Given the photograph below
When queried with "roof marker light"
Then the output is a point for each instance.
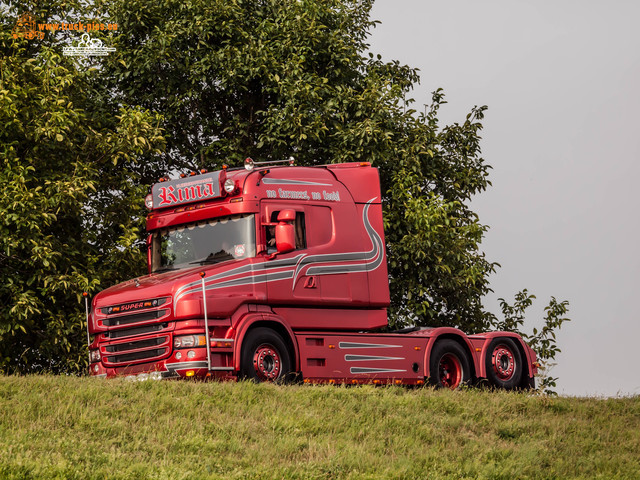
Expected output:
(248, 164)
(148, 201)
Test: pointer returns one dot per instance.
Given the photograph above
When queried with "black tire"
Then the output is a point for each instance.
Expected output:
(265, 357)
(504, 364)
(449, 365)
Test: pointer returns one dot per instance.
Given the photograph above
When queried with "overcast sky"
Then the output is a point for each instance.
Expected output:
(562, 82)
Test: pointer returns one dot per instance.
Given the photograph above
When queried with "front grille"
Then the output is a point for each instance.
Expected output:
(138, 336)
(132, 332)
(145, 349)
(134, 318)
(132, 357)
(124, 347)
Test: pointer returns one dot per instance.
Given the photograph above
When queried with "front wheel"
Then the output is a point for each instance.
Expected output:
(449, 365)
(504, 364)
(264, 357)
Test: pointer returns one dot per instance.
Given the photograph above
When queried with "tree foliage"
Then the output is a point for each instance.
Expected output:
(217, 81)
(542, 340)
(70, 207)
(270, 79)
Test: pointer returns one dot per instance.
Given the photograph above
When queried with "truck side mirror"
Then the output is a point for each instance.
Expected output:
(285, 232)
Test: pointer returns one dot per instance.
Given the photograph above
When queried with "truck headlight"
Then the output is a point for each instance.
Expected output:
(189, 341)
(229, 185)
(94, 355)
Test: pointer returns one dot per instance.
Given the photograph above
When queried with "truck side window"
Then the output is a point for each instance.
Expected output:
(301, 234)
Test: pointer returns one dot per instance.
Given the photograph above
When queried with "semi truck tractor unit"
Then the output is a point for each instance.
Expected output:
(273, 272)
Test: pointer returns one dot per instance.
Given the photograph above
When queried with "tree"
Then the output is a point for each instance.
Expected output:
(271, 79)
(70, 204)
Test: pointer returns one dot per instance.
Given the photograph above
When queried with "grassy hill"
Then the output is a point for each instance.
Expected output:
(81, 428)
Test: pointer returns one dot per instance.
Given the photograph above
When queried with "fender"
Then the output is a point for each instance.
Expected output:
(438, 332)
(529, 359)
(243, 325)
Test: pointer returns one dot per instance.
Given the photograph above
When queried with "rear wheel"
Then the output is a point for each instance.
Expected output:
(449, 365)
(504, 364)
(264, 357)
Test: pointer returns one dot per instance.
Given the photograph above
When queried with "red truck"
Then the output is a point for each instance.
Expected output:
(274, 272)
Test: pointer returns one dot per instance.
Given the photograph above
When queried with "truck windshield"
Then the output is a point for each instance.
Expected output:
(209, 241)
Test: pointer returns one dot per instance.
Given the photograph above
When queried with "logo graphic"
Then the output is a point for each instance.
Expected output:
(185, 190)
(88, 46)
(26, 28)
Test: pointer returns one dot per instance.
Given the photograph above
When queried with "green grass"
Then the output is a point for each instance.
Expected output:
(82, 428)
